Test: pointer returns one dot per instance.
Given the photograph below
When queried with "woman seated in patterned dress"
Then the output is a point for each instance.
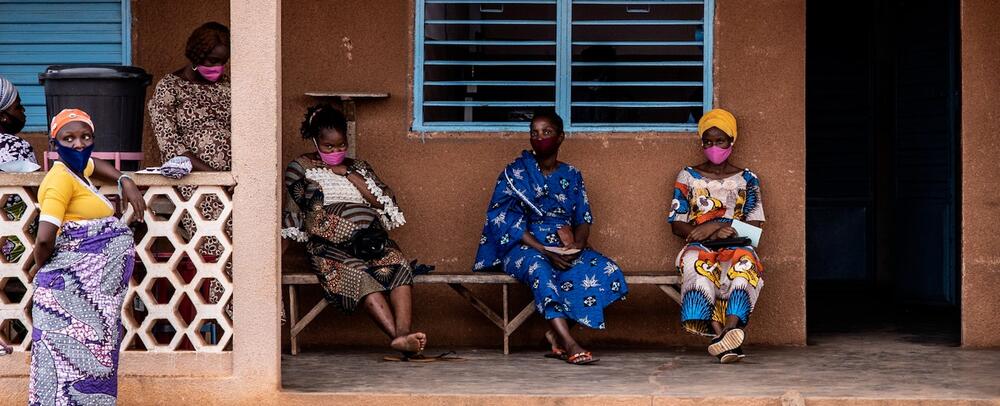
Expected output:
(719, 286)
(334, 202)
(191, 117)
(537, 227)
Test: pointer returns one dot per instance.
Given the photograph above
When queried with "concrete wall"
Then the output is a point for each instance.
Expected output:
(980, 191)
(445, 182)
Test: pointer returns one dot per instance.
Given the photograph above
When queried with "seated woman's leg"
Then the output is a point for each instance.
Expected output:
(402, 308)
(700, 281)
(377, 307)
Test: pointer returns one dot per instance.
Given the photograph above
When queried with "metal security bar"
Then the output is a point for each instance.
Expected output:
(609, 65)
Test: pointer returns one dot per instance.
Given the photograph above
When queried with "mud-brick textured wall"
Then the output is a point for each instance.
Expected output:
(980, 167)
(444, 182)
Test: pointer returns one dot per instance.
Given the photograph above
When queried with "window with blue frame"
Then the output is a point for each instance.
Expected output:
(37, 33)
(604, 65)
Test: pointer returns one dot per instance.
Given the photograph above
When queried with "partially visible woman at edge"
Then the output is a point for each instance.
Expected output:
(190, 114)
(83, 257)
(12, 148)
(719, 287)
(540, 203)
(333, 197)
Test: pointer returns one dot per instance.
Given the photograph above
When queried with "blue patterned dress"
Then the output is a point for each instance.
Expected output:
(527, 200)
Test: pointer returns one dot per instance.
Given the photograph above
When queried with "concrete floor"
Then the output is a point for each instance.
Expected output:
(869, 365)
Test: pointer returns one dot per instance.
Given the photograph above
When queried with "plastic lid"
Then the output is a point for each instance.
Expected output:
(93, 72)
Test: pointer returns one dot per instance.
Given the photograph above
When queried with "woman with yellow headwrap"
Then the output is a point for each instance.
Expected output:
(720, 280)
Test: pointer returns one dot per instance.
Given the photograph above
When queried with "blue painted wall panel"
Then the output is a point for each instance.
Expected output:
(37, 33)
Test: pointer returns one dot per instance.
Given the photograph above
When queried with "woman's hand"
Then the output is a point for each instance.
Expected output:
(558, 261)
(704, 231)
(724, 232)
(30, 268)
(133, 197)
(339, 169)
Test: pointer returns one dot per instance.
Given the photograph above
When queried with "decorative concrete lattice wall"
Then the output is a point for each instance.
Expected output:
(179, 293)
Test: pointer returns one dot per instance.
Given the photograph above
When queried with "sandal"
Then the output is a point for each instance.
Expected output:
(730, 357)
(411, 357)
(5, 350)
(558, 354)
(729, 340)
(582, 358)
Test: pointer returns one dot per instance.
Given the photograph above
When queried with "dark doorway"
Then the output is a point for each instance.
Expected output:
(882, 133)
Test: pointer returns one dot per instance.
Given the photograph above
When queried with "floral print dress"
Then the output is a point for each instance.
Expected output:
(194, 117)
(14, 148)
(525, 200)
(722, 282)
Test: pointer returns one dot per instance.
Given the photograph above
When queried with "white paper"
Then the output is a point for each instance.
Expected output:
(153, 170)
(747, 230)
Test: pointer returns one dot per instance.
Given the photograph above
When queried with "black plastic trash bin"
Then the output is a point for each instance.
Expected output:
(114, 96)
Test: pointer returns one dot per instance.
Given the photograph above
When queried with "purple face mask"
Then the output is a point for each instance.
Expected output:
(211, 73)
(331, 158)
(718, 155)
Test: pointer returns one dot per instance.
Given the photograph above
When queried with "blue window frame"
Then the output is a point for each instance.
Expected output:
(603, 65)
(37, 33)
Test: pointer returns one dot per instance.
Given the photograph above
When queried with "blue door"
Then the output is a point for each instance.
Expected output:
(37, 33)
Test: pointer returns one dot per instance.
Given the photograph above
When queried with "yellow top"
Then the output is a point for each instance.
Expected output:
(65, 197)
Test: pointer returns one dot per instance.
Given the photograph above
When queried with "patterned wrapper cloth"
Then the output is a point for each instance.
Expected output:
(76, 313)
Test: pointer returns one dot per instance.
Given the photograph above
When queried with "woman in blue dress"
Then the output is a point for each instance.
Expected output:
(537, 227)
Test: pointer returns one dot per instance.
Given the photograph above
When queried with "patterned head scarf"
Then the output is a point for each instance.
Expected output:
(720, 119)
(68, 116)
(8, 93)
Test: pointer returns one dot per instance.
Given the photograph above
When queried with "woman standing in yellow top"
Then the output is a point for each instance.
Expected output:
(83, 259)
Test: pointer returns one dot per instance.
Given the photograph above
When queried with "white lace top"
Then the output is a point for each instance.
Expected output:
(336, 188)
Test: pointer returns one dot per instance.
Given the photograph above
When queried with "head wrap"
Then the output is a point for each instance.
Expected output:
(8, 93)
(720, 119)
(68, 116)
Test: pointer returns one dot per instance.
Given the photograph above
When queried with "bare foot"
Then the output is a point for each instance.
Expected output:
(553, 342)
(414, 342)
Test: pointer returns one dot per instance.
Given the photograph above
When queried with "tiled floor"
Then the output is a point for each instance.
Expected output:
(861, 365)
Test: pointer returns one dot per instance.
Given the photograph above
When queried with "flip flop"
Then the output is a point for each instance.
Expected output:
(557, 354)
(423, 358)
(583, 358)
(5, 350)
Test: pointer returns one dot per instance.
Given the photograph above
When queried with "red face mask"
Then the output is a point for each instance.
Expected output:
(545, 146)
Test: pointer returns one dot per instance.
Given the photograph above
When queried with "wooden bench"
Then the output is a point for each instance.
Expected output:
(667, 282)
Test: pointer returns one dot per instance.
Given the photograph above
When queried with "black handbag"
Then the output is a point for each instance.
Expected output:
(370, 243)
(727, 242)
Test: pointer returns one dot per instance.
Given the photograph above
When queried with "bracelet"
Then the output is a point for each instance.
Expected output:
(120, 188)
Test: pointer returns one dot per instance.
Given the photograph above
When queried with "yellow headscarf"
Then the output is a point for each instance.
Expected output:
(720, 119)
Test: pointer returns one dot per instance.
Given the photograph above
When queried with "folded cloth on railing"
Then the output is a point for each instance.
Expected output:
(176, 168)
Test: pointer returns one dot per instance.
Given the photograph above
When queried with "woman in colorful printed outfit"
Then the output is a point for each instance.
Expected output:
(16, 155)
(12, 149)
(332, 199)
(540, 202)
(719, 286)
(191, 117)
(83, 259)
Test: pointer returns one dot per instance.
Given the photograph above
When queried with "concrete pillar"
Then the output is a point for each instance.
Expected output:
(980, 190)
(256, 75)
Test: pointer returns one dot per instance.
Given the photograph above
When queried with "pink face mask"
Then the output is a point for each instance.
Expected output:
(211, 73)
(718, 155)
(331, 158)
